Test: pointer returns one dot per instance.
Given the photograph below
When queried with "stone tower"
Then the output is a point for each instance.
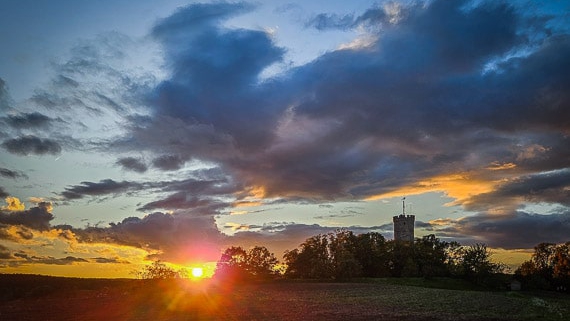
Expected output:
(404, 225)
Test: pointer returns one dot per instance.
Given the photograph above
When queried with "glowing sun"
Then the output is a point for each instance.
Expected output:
(197, 272)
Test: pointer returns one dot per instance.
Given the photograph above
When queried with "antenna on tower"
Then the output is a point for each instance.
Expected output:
(404, 206)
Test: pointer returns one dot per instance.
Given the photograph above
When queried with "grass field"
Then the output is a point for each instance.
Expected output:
(44, 298)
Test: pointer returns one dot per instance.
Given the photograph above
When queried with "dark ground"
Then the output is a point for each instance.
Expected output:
(43, 298)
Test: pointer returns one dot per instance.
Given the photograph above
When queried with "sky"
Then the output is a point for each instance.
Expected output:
(170, 130)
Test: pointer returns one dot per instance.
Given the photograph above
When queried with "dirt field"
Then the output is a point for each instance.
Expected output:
(135, 300)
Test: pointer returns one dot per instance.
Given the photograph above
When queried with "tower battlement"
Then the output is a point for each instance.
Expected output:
(404, 216)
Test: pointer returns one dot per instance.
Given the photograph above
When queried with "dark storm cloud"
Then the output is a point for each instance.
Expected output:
(30, 144)
(438, 84)
(203, 58)
(37, 218)
(28, 120)
(132, 164)
(104, 187)
(514, 231)
(7, 173)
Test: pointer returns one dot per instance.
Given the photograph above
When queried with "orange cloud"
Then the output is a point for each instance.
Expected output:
(460, 186)
(441, 221)
(14, 204)
(250, 198)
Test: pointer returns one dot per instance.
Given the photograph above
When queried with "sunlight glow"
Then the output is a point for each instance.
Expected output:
(197, 272)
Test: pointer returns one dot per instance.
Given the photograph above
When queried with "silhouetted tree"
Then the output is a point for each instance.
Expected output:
(401, 260)
(561, 270)
(476, 265)
(372, 255)
(239, 264)
(260, 263)
(232, 264)
(431, 256)
(548, 268)
(453, 258)
(325, 256)
(310, 260)
(158, 271)
(342, 246)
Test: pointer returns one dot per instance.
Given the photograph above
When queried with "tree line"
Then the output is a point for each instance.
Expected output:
(343, 255)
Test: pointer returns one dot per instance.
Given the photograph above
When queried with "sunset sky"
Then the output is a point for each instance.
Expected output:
(133, 131)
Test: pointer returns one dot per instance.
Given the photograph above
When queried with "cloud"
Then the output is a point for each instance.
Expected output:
(3, 193)
(168, 162)
(30, 144)
(7, 173)
(512, 231)
(182, 200)
(198, 16)
(28, 120)
(132, 164)
(209, 58)
(109, 260)
(204, 193)
(359, 122)
(37, 218)
(104, 187)
(372, 19)
(13, 204)
(176, 237)
(325, 21)
(68, 260)
(5, 253)
(550, 187)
